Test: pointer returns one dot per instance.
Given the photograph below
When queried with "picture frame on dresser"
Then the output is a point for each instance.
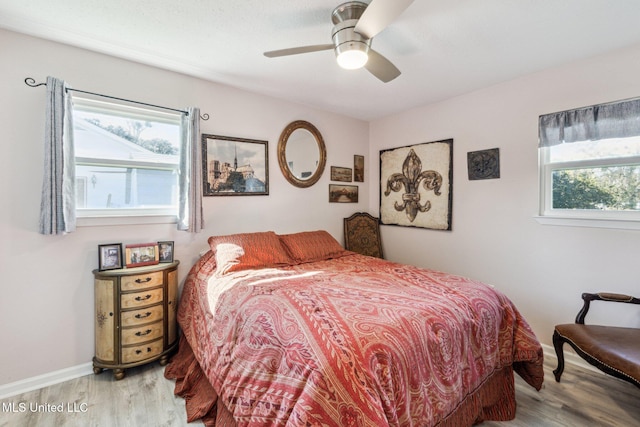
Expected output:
(109, 256)
(139, 254)
(165, 251)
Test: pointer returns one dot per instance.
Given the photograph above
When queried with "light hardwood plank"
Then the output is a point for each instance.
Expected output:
(145, 398)
(582, 398)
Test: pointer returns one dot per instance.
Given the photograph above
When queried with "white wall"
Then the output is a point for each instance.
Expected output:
(495, 239)
(46, 302)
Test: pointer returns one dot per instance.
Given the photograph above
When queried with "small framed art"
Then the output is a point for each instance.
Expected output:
(165, 250)
(109, 256)
(483, 164)
(141, 254)
(358, 168)
(343, 193)
(340, 174)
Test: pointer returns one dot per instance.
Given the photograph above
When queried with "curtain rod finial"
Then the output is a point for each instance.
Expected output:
(29, 81)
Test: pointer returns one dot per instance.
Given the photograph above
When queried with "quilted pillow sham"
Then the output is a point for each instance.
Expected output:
(310, 246)
(245, 251)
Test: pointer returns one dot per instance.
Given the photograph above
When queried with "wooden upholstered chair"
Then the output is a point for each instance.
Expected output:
(614, 350)
(362, 234)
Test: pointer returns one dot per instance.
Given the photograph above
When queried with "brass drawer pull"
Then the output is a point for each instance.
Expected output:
(143, 316)
(146, 297)
(148, 279)
(140, 351)
(141, 334)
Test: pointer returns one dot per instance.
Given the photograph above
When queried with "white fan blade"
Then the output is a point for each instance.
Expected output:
(381, 67)
(298, 50)
(378, 15)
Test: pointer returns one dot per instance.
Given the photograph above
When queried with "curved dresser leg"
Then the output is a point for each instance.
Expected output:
(118, 374)
(164, 360)
(558, 341)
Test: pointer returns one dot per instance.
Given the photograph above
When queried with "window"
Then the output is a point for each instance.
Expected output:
(590, 163)
(127, 159)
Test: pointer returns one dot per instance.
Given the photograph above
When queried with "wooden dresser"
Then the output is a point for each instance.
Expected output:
(135, 316)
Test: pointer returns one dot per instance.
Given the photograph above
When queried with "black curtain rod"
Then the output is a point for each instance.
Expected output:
(32, 83)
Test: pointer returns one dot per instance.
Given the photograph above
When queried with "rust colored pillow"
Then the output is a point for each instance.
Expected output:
(310, 246)
(248, 251)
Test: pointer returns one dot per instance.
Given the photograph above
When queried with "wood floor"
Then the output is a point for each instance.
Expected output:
(145, 398)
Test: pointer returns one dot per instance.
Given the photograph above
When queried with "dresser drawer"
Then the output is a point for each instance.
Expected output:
(140, 299)
(142, 333)
(141, 352)
(141, 316)
(141, 281)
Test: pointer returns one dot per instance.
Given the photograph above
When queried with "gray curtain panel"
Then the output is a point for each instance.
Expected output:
(190, 216)
(57, 203)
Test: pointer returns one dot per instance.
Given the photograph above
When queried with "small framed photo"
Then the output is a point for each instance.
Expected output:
(141, 254)
(358, 168)
(110, 256)
(343, 193)
(165, 250)
(340, 174)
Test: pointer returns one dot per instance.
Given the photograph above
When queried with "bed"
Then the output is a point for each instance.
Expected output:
(293, 330)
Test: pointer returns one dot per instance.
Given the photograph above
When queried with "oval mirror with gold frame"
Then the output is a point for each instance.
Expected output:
(301, 153)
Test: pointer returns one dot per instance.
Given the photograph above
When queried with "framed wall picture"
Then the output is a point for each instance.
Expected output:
(339, 193)
(416, 185)
(141, 254)
(234, 166)
(165, 251)
(109, 256)
(483, 164)
(358, 168)
(340, 174)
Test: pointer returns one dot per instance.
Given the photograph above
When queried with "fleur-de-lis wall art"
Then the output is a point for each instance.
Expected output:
(410, 179)
(415, 185)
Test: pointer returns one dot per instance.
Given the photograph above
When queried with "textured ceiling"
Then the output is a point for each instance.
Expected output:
(444, 48)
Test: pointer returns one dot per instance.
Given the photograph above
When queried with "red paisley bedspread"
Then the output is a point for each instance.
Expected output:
(353, 341)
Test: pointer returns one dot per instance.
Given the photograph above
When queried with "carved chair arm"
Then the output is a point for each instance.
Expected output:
(602, 296)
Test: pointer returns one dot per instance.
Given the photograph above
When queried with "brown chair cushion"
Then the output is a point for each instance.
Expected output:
(618, 348)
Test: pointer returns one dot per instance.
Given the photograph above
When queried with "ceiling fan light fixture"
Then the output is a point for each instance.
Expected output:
(356, 23)
(352, 56)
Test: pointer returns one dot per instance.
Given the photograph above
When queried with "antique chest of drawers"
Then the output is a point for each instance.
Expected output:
(135, 316)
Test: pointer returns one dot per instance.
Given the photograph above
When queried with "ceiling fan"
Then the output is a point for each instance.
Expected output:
(355, 25)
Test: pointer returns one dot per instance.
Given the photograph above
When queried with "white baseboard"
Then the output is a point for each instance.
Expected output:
(51, 378)
(45, 380)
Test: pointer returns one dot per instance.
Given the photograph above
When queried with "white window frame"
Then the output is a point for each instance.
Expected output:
(100, 217)
(581, 217)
